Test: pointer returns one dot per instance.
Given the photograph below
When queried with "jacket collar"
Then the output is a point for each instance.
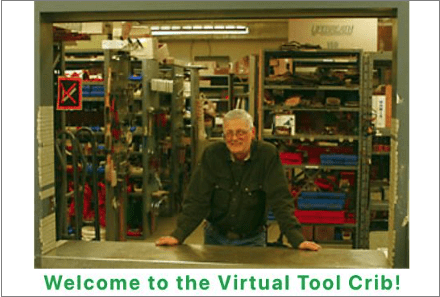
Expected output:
(253, 152)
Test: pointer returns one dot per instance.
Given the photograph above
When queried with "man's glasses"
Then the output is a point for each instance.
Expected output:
(239, 133)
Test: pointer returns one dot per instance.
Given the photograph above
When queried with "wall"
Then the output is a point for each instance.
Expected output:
(347, 33)
(235, 49)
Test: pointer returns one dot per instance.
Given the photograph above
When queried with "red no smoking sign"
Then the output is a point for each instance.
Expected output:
(69, 93)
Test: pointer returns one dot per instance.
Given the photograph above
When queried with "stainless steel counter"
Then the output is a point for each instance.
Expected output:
(134, 254)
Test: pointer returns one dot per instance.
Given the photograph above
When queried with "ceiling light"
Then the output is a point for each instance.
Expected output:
(199, 30)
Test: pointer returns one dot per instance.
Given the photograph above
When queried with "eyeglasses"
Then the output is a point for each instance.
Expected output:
(239, 133)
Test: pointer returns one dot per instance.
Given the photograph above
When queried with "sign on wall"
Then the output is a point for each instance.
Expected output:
(69, 93)
(346, 33)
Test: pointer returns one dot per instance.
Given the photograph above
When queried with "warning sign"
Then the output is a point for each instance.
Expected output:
(69, 93)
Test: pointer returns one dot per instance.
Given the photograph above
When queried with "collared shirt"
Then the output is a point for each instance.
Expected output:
(245, 159)
(236, 196)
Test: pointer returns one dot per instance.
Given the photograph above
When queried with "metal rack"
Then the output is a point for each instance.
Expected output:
(381, 62)
(219, 91)
(347, 60)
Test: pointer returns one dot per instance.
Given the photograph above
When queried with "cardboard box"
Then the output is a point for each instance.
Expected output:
(241, 66)
(307, 232)
(211, 66)
(162, 52)
(389, 104)
(283, 66)
(324, 233)
(149, 51)
(221, 70)
(204, 83)
(285, 122)
(376, 196)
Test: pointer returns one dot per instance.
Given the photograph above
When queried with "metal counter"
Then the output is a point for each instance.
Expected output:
(134, 254)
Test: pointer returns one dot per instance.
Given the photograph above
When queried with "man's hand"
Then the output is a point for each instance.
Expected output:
(167, 240)
(309, 245)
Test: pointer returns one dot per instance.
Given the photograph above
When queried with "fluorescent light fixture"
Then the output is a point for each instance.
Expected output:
(198, 30)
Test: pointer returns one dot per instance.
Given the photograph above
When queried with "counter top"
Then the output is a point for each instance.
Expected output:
(135, 254)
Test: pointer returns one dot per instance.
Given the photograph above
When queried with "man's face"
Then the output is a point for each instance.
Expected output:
(238, 137)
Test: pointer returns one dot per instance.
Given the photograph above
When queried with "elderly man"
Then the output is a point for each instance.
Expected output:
(232, 188)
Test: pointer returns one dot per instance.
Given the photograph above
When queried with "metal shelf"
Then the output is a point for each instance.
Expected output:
(332, 225)
(319, 166)
(311, 88)
(213, 87)
(385, 132)
(380, 153)
(312, 137)
(92, 83)
(379, 205)
(213, 75)
(93, 99)
(312, 53)
(215, 99)
(137, 195)
(326, 109)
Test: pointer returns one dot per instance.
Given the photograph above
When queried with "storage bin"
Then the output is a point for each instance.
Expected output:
(338, 159)
(291, 158)
(326, 204)
(320, 216)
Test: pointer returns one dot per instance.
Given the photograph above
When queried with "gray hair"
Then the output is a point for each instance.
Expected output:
(239, 114)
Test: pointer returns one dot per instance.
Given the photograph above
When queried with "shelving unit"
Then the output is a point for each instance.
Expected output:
(240, 94)
(117, 117)
(219, 90)
(313, 111)
(142, 150)
(381, 64)
(79, 145)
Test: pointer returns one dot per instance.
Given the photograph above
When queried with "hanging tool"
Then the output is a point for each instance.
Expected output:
(78, 189)
(92, 137)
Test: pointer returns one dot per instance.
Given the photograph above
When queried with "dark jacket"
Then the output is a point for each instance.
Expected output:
(236, 196)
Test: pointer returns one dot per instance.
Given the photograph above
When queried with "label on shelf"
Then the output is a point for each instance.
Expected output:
(379, 107)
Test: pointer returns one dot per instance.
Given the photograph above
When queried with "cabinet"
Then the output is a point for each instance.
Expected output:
(312, 107)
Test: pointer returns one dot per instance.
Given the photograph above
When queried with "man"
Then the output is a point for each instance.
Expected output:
(232, 188)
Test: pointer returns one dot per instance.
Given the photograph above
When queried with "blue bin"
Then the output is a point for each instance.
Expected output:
(135, 78)
(321, 204)
(339, 159)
